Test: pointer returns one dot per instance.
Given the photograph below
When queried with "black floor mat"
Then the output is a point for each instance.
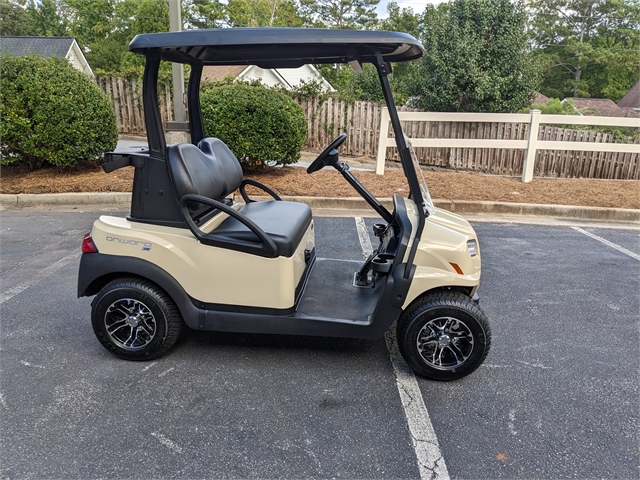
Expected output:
(330, 292)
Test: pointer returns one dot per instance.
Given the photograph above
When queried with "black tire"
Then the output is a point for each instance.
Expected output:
(135, 319)
(444, 336)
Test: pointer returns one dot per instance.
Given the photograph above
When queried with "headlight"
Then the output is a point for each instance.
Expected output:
(473, 247)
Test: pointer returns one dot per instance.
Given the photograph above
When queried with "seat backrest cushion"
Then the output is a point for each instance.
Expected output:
(228, 164)
(192, 172)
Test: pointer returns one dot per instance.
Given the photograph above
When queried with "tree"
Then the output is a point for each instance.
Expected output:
(402, 20)
(93, 24)
(203, 13)
(150, 16)
(104, 29)
(47, 18)
(589, 48)
(262, 13)
(554, 106)
(90, 21)
(14, 19)
(477, 60)
(399, 20)
(340, 13)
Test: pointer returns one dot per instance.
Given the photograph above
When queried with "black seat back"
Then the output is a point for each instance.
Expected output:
(228, 163)
(209, 170)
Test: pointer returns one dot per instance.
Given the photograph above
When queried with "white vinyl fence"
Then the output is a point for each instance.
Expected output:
(532, 144)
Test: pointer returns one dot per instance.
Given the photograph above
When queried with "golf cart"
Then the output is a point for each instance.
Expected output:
(189, 254)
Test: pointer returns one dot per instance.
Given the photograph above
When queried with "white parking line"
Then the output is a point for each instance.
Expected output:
(166, 442)
(431, 464)
(608, 243)
(41, 275)
(363, 236)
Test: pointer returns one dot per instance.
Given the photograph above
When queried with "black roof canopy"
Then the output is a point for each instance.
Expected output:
(277, 47)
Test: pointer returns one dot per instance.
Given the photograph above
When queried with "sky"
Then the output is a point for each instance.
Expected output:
(416, 5)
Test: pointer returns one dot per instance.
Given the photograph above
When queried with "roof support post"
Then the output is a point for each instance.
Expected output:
(415, 193)
(405, 155)
(195, 112)
(152, 118)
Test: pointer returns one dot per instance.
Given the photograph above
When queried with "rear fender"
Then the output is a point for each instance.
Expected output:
(97, 270)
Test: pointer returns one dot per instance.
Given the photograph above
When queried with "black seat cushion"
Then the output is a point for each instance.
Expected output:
(284, 222)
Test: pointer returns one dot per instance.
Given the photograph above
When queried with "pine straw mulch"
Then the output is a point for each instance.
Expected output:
(295, 181)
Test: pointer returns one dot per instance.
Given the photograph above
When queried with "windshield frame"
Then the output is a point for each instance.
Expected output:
(427, 203)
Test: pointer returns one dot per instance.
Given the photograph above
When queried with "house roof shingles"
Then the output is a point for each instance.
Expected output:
(630, 112)
(540, 99)
(597, 106)
(45, 46)
(632, 98)
(218, 73)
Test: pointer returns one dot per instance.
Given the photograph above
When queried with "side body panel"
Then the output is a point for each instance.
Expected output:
(207, 274)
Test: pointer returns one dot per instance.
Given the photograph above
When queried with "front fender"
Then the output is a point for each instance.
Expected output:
(429, 278)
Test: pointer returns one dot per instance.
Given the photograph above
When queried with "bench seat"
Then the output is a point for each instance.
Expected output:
(284, 222)
(213, 172)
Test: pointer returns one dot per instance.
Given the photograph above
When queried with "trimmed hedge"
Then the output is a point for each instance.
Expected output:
(52, 114)
(259, 125)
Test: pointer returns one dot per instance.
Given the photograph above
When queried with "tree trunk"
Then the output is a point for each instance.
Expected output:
(577, 76)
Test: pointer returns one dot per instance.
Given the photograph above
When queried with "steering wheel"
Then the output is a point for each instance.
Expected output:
(328, 154)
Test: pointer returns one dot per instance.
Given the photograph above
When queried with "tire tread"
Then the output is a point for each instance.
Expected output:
(446, 299)
(165, 303)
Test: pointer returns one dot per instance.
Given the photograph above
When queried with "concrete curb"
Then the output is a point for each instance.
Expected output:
(70, 199)
(117, 199)
(488, 208)
(561, 211)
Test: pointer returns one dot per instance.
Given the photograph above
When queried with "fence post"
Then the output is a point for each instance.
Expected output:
(382, 140)
(530, 154)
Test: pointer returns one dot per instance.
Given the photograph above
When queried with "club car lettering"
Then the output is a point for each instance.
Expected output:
(146, 246)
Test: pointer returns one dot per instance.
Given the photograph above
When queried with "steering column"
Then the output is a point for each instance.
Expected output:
(330, 156)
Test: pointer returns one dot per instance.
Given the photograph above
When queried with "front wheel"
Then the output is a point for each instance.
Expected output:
(135, 319)
(444, 336)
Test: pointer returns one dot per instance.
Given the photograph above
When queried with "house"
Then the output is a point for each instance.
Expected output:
(271, 77)
(602, 107)
(540, 99)
(631, 101)
(64, 47)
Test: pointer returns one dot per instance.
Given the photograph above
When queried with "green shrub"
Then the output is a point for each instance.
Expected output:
(258, 124)
(554, 107)
(52, 114)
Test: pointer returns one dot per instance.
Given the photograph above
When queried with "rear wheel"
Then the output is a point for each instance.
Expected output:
(135, 319)
(444, 336)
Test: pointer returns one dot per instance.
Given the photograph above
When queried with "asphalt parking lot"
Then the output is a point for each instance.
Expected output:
(556, 398)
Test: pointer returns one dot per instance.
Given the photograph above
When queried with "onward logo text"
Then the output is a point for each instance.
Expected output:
(146, 246)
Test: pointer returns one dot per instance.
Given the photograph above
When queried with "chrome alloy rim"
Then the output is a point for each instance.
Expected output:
(445, 343)
(130, 324)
